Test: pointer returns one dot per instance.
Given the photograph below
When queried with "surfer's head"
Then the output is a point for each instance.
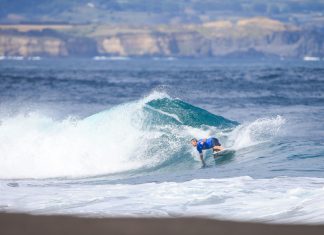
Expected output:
(194, 142)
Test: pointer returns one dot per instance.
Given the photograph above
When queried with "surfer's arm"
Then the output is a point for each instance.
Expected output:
(201, 155)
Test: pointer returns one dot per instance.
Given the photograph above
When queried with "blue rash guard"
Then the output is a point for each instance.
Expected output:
(208, 144)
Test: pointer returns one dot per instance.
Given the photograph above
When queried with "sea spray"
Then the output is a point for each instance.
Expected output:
(258, 131)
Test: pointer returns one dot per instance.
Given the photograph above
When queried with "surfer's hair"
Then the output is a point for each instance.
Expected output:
(194, 139)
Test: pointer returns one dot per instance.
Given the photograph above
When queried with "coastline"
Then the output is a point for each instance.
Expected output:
(14, 223)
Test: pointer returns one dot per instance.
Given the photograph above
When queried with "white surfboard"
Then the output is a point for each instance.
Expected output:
(224, 152)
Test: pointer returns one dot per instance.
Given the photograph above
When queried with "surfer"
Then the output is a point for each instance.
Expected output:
(203, 144)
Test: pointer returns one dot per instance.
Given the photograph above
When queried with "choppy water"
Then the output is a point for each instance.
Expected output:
(111, 138)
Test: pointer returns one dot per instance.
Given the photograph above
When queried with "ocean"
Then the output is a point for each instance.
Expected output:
(111, 137)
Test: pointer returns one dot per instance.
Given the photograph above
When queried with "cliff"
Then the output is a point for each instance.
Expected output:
(246, 37)
(46, 42)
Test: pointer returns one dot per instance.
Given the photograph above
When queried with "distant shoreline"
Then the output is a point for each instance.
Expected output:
(108, 58)
(256, 37)
(15, 224)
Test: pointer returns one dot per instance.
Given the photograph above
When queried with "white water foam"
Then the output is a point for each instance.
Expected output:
(283, 200)
(259, 131)
(35, 146)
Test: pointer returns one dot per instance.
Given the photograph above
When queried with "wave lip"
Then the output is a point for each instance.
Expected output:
(190, 115)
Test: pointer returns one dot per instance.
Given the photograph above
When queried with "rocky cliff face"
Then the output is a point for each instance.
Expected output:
(45, 44)
(31, 46)
(249, 37)
(295, 44)
(142, 44)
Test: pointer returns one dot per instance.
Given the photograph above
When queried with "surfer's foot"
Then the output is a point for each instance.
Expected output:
(215, 153)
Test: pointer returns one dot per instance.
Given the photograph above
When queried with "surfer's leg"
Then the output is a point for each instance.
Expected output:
(217, 146)
(216, 149)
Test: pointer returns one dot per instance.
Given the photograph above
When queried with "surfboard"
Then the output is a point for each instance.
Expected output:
(224, 152)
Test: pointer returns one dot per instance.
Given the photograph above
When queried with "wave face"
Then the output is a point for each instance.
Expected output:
(151, 134)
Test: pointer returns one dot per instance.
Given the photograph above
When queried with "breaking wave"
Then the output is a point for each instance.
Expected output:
(150, 133)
